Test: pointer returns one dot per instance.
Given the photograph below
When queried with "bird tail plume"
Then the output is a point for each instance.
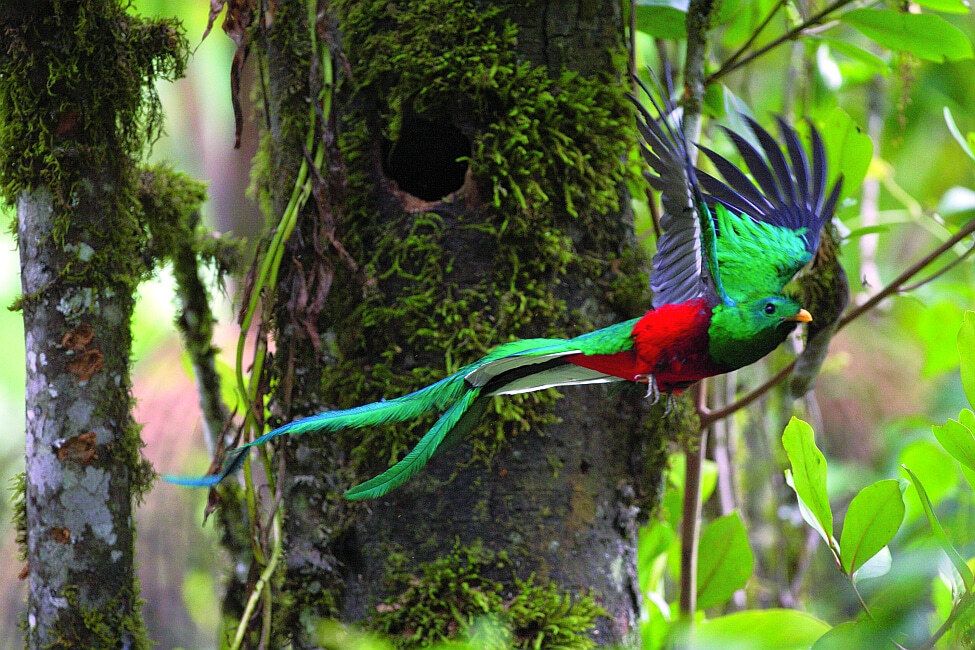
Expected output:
(438, 396)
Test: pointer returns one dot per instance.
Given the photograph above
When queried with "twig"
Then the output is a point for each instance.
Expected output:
(863, 603)
(963, 603)
(758, 31)
(690, 526)
(708, 417)
(262, 581)
(731, 66)
(937, 274)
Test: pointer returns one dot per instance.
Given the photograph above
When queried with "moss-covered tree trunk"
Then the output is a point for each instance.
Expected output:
(528, 235)
(74, 111)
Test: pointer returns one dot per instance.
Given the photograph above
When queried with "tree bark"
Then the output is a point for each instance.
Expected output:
(554, 486)
(76, 108)
(79, 488)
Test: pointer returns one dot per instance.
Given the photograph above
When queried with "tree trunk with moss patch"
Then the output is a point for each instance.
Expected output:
(76, 108)
(532, 239)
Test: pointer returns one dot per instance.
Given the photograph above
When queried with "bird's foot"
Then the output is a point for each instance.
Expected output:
(670, 405)
(653, 392)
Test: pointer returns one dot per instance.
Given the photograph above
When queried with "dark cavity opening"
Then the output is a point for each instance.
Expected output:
(423, 161)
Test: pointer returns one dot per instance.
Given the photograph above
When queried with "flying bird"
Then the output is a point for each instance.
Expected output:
(728, 248)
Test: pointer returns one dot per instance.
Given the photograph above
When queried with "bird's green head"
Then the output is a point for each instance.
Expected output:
(744, 332)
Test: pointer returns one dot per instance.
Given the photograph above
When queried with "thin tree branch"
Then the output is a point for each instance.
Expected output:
(690, 526)
(708, 417)
(730, 65)
(758, 31)
(698, 22)
(937, 274)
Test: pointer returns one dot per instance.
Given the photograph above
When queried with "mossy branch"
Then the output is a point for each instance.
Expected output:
(171, 203)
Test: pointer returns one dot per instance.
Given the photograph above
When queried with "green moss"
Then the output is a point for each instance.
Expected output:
(447, 597)
(127, 451)
(101, 628)
(171, 204)
(546, 160)
(74, 112)
(18, 499)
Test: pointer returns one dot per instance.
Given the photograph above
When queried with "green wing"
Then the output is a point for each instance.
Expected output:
(770, 228)
(755, 257)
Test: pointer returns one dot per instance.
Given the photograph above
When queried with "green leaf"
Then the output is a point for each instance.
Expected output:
(768, 629)
(935, 468)
(946, 6)
(939, 531)
(871, 522)
(966, 355)
(848, 150)
(853, 634)
(677, 471)
(940, 351)
(725, 560)
(958, 440)
(926, 36)
(856, 233)
(662, 18)
(809, 476)
(653, 540)
(956, 134)
(714, 101)
(878, 565)
(866, 58)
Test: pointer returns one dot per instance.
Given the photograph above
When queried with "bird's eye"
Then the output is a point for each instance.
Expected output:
(769, 308)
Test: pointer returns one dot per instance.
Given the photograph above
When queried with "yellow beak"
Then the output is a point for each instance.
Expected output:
(802, 317)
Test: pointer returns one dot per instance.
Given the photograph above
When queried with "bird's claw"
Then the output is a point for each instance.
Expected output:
(670, 405)
(653, 392)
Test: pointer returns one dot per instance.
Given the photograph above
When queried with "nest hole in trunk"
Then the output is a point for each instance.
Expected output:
(423, 160)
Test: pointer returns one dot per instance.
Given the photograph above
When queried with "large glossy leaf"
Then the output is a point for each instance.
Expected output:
(958, 440)
(928, 37)
(935, 468)
(725, 560)
(853, 634)
(939, 531)
(871, 522)
(966, 355)
(864, 57)
(768, 629)
(662, 18)
(653, 540)
(946, 6)
(808, 477)
(848, 150)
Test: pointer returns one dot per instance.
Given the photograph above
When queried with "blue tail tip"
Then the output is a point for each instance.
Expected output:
(192, 481)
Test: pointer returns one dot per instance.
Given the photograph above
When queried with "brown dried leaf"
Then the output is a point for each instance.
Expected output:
(61, 535)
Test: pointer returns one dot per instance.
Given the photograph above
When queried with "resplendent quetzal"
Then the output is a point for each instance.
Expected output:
(727, 250)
